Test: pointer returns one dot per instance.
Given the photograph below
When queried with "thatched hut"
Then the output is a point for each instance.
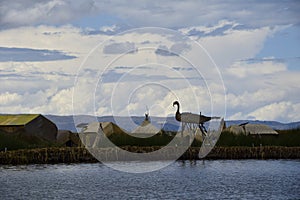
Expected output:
(235, 129)
(259, 129)
(91, 133)
(29, 125)
(67, 138)
(251, 129)
(146, 129)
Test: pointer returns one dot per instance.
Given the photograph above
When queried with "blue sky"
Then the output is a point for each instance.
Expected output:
(284, 45)
(238, 59)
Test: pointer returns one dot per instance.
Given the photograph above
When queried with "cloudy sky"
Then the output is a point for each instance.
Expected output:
(238, 59)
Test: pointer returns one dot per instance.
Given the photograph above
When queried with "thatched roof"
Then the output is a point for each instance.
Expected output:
(30, 125)
(260, 129)
(91, 136)
(17, 120)
(64, 136)
(236, 129)
(251, 129)
(146, 128)
(107, 127)
(110, 128)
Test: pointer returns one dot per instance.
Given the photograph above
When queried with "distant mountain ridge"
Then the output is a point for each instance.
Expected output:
(167, 124)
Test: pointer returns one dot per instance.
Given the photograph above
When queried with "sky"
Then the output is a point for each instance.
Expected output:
(237, 59)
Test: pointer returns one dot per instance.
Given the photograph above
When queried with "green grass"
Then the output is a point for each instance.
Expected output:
(155, 140)
(161, 139)
(289, 138)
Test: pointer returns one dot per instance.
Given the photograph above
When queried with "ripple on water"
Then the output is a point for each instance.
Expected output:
(214, 179)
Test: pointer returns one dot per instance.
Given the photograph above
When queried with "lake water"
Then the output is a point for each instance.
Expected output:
(216, 179)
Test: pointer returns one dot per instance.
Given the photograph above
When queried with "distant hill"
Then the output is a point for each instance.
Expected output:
(167, 124)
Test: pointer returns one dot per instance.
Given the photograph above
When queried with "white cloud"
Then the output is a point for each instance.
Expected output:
(66, 39)
(243, 69)
(31, 14)
(254, 87)
(235, 45)
(246, 99)
(190, 13)
(9, 99)
(284, 111)
(47, 87)
(61, 102)
(133, 98)
(112, 28)
(142, 13)
(17, 13)
(207, 30)
(119, 48)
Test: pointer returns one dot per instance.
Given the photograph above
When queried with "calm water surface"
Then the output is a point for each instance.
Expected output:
(219, 179)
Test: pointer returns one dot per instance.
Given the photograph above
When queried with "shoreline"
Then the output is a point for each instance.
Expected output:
(57, 155)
